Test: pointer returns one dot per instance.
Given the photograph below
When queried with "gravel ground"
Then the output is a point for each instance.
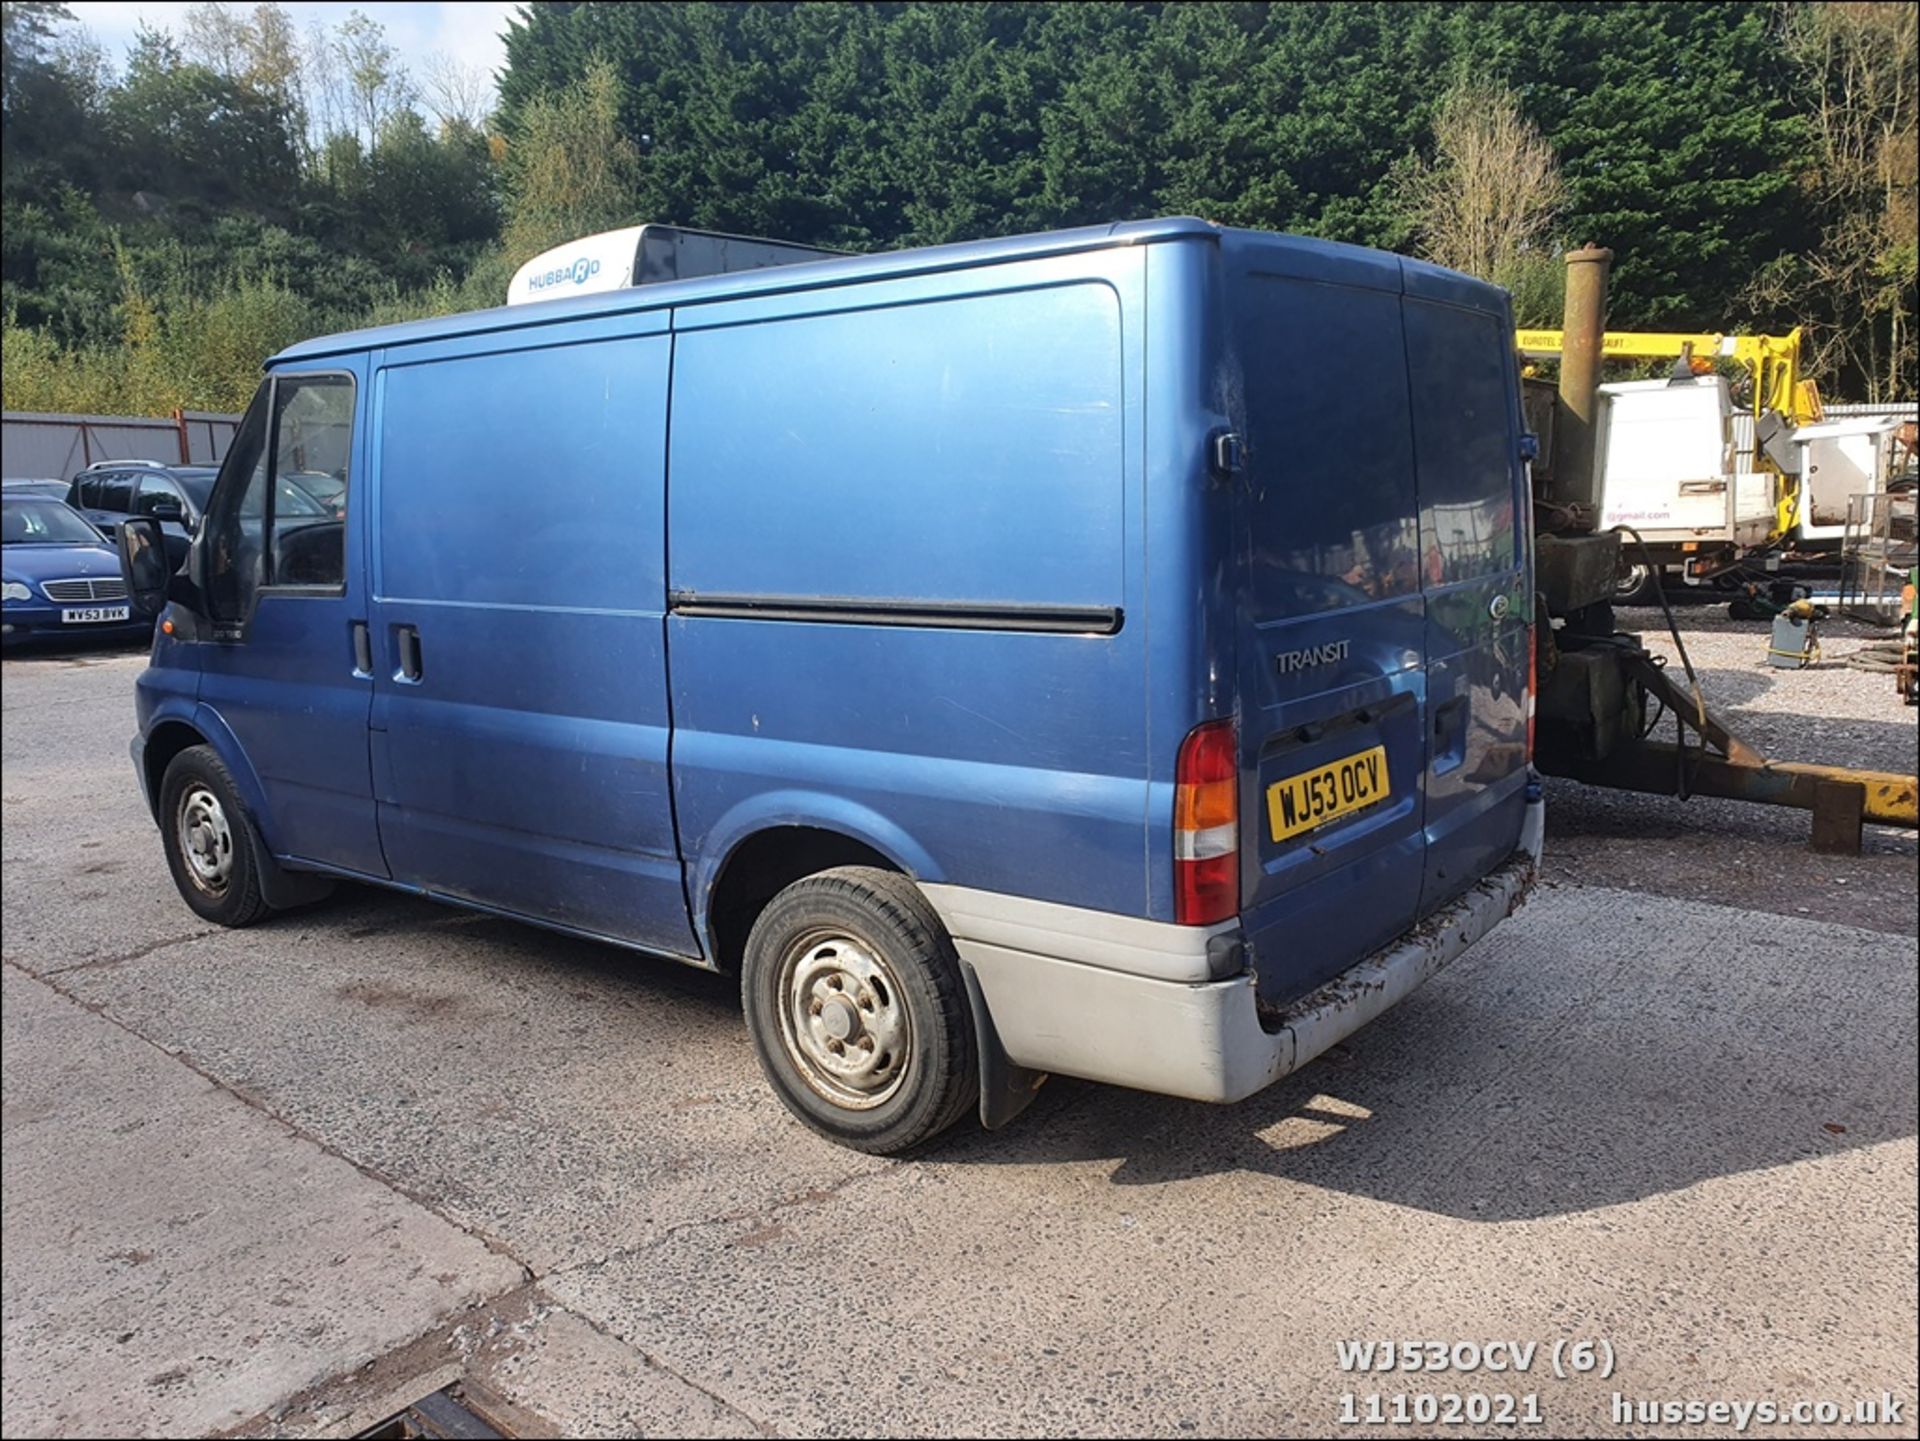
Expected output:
(1755, 857)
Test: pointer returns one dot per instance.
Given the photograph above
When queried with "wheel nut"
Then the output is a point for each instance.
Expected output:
(836, 1047)
(813, 1008)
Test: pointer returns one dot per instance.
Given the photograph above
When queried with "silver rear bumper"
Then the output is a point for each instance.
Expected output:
(1204, 1041)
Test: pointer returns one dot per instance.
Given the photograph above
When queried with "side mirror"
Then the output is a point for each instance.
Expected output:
(168, 511)
(143, 563)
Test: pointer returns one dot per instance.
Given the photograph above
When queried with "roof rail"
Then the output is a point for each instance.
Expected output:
(118, 464)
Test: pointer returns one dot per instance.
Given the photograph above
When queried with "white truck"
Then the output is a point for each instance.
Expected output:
(1666, 460)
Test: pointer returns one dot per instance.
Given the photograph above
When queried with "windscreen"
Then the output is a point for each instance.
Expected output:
(46, 522)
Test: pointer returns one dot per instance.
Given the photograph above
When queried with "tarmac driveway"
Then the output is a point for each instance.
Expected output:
(283, 1181)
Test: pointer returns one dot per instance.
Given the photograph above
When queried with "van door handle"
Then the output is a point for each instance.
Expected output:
(362, 650)
(407, 642)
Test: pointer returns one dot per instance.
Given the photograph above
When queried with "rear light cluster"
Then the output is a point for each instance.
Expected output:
(1206, 826)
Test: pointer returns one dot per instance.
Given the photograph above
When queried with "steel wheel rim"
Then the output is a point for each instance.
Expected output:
(844, 1022)
(205, 839)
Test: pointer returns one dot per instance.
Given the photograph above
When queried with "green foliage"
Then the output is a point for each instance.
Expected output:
(167, 230)
(251, 190)
(870, 126)
(571, 171)
(1538, 284)
(182, 345)
(180, 130)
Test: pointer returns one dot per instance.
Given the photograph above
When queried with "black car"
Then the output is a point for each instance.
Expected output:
(107, 492)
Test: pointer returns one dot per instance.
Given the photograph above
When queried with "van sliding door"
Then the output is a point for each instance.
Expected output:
(520, 715)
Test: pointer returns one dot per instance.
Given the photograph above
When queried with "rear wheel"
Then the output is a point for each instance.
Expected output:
(857, 1010)
(209, 840)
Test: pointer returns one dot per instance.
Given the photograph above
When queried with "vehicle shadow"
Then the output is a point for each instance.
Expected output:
(1467, 1124)
(81, 649)
(1517, 1087)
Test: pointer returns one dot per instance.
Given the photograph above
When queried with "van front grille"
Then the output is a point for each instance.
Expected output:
(72, 590)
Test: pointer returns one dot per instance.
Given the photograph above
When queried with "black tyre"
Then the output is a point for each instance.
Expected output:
(857, 1010)
(1635, 585)
(210, 840)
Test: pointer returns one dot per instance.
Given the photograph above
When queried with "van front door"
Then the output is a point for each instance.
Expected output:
(285, 671)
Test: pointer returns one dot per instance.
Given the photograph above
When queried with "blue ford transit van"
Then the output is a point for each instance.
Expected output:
(1102, 653)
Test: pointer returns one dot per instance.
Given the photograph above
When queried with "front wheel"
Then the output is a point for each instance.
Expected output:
(209, 841)
(857, 1010)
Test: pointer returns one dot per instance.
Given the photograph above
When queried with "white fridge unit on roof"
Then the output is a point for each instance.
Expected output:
(646, 255)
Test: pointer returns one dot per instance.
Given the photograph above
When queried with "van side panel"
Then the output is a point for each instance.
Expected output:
(903, 528)
(520, 533)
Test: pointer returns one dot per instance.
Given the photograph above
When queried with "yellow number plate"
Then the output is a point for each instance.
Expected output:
(1312, 798)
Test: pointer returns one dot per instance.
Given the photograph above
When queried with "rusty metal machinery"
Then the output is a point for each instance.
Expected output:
(1601, 692)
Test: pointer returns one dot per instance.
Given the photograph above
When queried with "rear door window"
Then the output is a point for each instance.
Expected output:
(1330, 504)
(1462, 425)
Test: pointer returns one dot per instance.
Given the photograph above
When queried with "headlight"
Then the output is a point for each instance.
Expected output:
(16, 591)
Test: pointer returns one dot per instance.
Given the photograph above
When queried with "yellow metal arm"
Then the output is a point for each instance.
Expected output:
(1772, 360)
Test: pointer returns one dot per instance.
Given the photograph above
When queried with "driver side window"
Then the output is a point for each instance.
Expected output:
(312, 438)
(265, 528)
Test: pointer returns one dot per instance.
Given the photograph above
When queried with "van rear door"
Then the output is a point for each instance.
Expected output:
(1474, 533)
(1331, 622)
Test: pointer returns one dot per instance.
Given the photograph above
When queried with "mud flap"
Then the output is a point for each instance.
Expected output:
(1006, 1089)
(281, 888)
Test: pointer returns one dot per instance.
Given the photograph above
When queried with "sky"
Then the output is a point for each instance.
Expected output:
(467, 30)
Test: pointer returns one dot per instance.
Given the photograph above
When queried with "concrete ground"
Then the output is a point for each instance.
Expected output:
(281, 1182)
